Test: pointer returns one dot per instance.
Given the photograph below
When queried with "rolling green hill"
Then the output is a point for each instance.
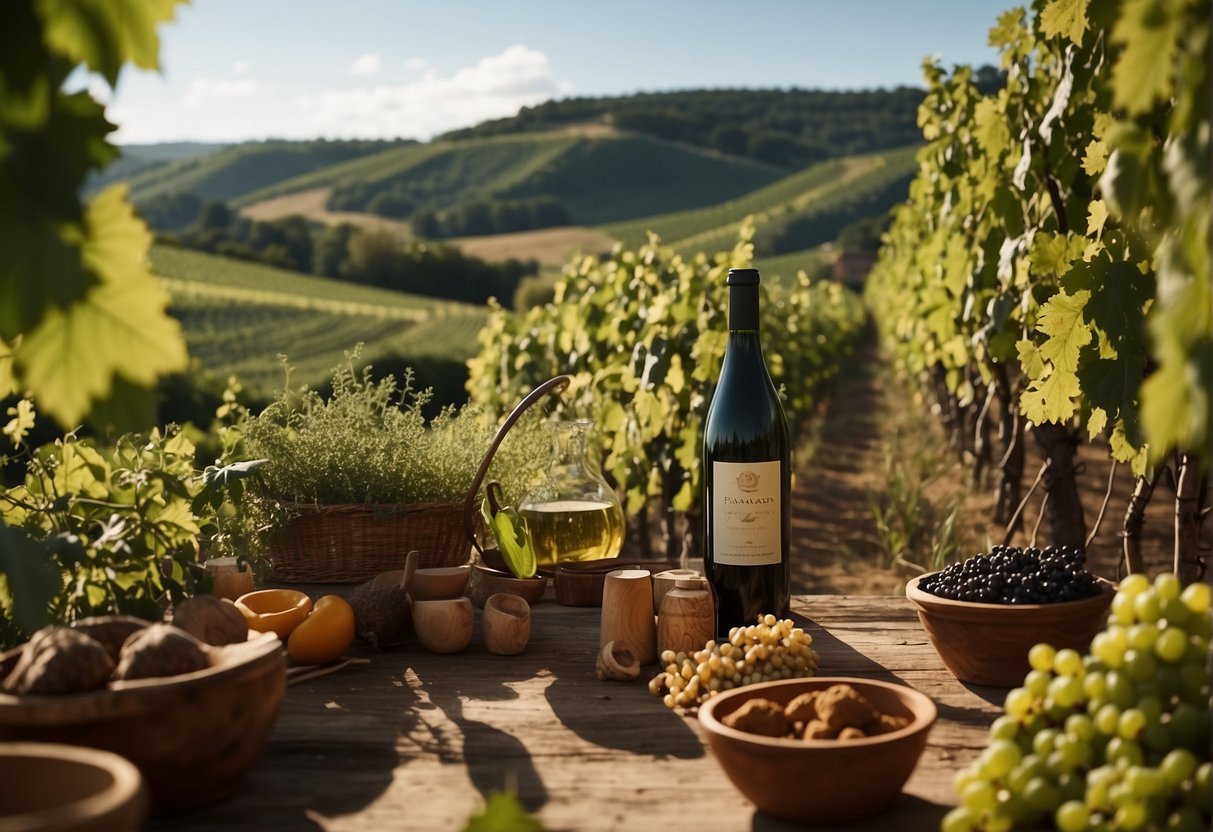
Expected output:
(238, 317)
(797, 212)
(238, 169)
(604, 176)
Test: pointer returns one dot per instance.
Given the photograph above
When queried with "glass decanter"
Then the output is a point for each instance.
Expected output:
(572, 514)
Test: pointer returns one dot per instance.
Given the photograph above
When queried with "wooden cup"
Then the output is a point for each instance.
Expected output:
(506, 624)
(444, 626)
(627, 613)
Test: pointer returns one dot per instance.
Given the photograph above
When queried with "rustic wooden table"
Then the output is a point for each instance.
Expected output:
(416, 741)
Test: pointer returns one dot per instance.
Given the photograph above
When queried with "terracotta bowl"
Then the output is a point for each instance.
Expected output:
(192, 736)
(486, 582)
(819, 781)
(988, 644)
(68, 789)
(439, 582)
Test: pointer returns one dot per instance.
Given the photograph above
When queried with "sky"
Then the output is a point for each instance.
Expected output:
(234, 70)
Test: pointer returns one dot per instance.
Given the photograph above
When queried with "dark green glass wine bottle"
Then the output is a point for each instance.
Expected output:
(747, 475)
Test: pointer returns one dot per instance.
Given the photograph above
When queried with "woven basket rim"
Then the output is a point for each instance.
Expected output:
(370, 508)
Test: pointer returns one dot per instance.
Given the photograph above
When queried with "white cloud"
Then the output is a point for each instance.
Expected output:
(415, 64)
(203, 90)
(497, 86)
(366, 65)
(240, 68)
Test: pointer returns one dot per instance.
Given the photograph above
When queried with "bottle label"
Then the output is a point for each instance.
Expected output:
(746, 515)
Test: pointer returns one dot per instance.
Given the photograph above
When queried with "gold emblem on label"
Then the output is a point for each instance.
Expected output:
(747, 481)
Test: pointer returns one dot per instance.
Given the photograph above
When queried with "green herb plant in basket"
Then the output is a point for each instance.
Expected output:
(358, 478)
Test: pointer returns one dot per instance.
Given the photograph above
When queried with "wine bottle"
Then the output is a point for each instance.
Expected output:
(747, 475)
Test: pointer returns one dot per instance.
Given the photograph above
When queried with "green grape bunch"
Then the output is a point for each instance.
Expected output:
(765, 651)
(1116, 740)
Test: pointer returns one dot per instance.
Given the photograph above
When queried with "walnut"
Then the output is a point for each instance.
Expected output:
(111, 631)
(759, 716)
(160, 650)
(815, 729)
(885, 724)
(212, 620)
(803, 708)
(59, 660)
(841, 706)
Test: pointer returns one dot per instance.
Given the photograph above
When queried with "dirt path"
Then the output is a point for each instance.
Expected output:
(874, 445)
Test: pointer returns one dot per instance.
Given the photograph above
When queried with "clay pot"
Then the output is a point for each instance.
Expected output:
(506, 624)
(227, 579)
(444, 626)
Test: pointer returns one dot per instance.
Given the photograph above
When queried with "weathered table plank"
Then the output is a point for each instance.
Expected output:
(415, 740)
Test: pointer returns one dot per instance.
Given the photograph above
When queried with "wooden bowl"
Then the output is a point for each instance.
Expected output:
(988, 644)
(579, 583)
(486, 582)
(66, 788)
(439, 582)
(819, 781)
(192, 736)
(277, 611)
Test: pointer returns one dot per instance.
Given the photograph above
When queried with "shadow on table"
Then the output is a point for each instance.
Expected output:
(906, 812)
(495, 759)
(837, 658)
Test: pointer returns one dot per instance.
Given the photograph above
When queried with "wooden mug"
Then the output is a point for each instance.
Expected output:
(506, 624)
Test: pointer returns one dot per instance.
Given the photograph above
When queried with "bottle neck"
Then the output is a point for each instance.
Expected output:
(743, 308)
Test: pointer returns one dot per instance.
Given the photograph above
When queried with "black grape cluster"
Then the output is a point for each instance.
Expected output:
(1012, 575)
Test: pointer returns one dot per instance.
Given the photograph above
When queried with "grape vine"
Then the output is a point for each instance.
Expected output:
(643, 335)
(1051, 266)
(83, 322)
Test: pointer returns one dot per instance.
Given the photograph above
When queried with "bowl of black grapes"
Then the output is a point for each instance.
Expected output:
(985, 613)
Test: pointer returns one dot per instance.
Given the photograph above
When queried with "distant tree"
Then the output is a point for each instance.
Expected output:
(331, 249)
(425, 224)
(729, 138)
(214, 216)
(170, 212)
(775, 148)
(376, 257)
(863, 236)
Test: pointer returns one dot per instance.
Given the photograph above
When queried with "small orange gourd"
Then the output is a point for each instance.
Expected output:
(325, 634)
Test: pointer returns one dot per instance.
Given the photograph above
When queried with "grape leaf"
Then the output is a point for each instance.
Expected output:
(1061, 318)
(1051, 400)
(104, 34)
(1144, 73)
(1096, 422)
(120, 326)
(30, 580)
(1065, 17)
(1096, 157)
(1097, 216)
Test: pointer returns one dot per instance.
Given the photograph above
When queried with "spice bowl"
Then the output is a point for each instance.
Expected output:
(68, 788)
(819, 781)
(988, 644)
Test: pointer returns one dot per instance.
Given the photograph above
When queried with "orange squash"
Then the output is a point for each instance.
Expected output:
(274, 610)
(325, 634)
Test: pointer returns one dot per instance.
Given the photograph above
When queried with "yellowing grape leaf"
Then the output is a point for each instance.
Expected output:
(103, 34)
(1062, 320)
(1096, 422)
(1051, 400)
(1097, 216)
(119, 327)
(1065, 17)
(1096, 158)
(1144, 73)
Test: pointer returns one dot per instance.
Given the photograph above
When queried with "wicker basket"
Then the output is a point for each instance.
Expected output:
(354, 543)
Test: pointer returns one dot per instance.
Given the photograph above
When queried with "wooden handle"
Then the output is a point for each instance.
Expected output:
(552, 385)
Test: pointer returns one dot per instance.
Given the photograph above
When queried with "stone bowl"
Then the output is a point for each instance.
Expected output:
(192, 736)
(988, 644)
(67, 788)
(819, 782)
